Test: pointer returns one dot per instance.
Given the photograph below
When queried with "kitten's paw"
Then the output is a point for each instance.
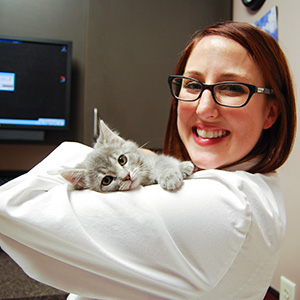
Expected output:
(171, 180)
(186, 168)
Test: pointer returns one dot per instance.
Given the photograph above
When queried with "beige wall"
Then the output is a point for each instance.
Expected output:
(288, 14)
(131, 48)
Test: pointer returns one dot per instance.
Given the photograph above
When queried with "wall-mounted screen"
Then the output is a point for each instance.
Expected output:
(35, 81)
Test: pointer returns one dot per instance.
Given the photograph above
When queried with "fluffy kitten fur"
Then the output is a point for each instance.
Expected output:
(116, 164)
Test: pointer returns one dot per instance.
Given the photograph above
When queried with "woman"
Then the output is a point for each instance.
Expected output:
(219, 236)
(274, 70)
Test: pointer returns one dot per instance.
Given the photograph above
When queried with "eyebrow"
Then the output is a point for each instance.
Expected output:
(191, 73)
(226, 76)
(234, 75)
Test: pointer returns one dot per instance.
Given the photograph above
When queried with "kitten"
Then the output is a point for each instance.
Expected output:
(116, 164)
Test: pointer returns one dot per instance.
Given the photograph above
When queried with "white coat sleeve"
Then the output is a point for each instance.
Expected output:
(141, 244)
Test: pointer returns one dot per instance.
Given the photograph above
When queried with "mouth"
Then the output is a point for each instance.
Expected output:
(129, 185)
(209, 136)
(134, 184)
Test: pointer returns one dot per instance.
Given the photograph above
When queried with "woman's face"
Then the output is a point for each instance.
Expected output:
(216, 136)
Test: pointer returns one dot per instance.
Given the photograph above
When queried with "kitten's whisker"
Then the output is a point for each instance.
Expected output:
(144, 145)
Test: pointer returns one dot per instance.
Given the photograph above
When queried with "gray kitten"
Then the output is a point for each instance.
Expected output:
(116, 164)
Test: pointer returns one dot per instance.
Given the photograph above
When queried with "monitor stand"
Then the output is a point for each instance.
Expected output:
(22, 135)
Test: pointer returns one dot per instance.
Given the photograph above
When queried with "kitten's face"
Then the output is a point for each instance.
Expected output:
(116, 171)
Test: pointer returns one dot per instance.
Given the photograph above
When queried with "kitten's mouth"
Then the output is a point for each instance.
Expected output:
(134, 184)
(130, 184)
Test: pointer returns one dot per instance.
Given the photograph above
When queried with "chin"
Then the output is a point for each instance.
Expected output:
(205, 163)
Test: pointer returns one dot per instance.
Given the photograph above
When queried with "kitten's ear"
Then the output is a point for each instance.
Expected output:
(107, 135)
(76, 177)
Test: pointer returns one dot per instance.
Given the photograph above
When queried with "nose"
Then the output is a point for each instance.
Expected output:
(207, 108)
(127, 177)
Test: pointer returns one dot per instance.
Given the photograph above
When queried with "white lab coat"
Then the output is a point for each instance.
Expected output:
(218, 237)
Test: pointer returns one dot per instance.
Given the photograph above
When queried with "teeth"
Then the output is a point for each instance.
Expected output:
(210, 134)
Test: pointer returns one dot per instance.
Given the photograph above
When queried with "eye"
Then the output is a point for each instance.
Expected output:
(192, 86)
(232, 90)
(107, 180)
(122, 160)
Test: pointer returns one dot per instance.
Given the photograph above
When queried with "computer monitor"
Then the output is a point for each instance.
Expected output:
(35, 86)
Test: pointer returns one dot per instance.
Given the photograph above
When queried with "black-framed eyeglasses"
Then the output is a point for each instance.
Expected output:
(226, 93)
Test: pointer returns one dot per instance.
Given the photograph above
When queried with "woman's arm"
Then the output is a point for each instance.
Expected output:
(130, 245)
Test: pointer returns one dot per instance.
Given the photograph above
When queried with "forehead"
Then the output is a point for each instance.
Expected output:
(221, 56)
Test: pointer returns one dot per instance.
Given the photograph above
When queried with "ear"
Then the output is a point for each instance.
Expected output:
(272, 114)
(107, 135)
(76, 177)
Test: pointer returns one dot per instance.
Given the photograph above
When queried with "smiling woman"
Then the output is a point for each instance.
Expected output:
(217, 131)
(214, 59)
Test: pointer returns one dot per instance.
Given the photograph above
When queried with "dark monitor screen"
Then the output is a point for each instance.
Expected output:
(35, 80)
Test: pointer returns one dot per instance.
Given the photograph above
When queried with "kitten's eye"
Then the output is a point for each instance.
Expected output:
(107, 180)
(122, 160)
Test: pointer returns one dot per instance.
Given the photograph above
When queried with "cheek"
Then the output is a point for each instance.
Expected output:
(183, 115)
(185, 111)
(247, 130)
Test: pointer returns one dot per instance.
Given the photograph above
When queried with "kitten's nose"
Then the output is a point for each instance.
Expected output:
(127, 177)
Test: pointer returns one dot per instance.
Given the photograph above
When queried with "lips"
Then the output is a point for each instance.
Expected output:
(209, 136)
